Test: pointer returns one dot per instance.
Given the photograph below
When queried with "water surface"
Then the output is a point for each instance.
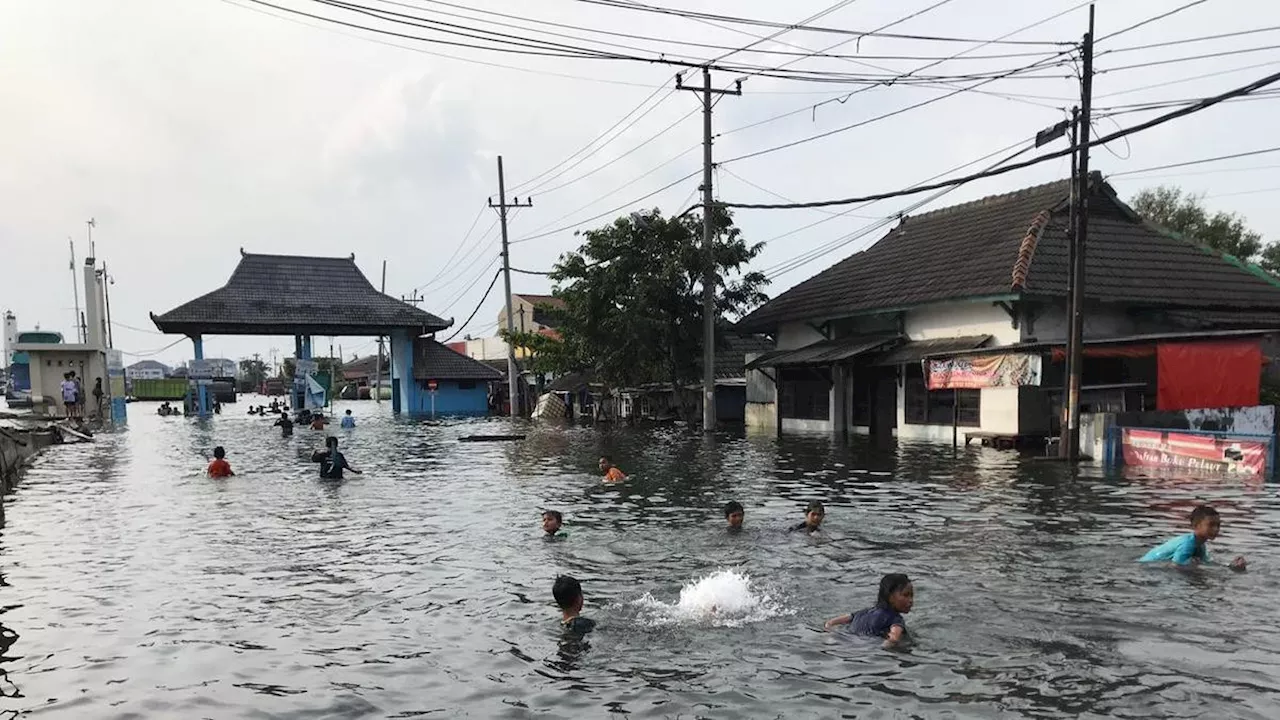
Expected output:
(135, 587)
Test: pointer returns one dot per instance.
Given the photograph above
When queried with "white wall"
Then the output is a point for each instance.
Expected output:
(796, 335)
(488, 348)
(999, 411)
(805, 426)
(47, 369)
(961, 319)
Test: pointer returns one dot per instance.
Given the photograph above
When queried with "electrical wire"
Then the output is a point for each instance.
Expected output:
(152, 353)
(639, 7)
(1201, 161)
(1242, 192)
(1185, 41)
(1149, 20)
(784, 198)
(456, 250)
(474, 281)
(1188, 58)
(463, 326)
(624, 206)
(1140, 127)
(1216, 73)
(782, 31)
(117, 323)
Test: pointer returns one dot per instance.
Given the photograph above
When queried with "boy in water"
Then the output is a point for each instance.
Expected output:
(220, 468)
(611, 471)
(568, 594)
(332, 462)
(734, 515)
(1193, 546)
(813, 515)
(348, 422)
(552, 521)
(285, 424)
(897, 596)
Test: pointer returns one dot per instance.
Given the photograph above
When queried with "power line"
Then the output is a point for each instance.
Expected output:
(1202, 105)
(1152, 19)
(444, 268)
(607, 212)
(461, 327)
(816, 16)
(635, 6)
(1242, 192)
(1201, 161)
(1247, 168)
(1185, 41)
(1167, 83)
(1189, 58)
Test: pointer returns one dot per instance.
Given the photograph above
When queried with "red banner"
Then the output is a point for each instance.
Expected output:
(1208, 374)
(1209, 453)
(971, 372)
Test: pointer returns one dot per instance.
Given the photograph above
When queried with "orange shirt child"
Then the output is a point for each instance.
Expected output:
(220, 468)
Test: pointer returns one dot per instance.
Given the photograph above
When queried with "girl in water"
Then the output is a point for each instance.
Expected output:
(896, 597)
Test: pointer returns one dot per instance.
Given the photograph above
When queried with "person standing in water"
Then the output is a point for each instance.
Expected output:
(348, 422)
(220, 468)
(285, 424)
(896, 598)
(568, 594)
(813, 516)
(734, 515)
(332, 462)
(611, 471)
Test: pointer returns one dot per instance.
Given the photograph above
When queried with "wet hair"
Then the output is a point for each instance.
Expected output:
(607, 458)
(348, 412)
(555, 514)
(566, 591)
(331, 441)
(815, 506)
(890, 584)
(219, 452)
(1203, 512)
(733, 506)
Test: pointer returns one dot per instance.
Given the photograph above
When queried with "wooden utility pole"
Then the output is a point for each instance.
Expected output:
(1075, 349)
(708, 246)
(513, 390)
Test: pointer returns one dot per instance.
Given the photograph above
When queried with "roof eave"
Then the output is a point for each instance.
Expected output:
(771, 325)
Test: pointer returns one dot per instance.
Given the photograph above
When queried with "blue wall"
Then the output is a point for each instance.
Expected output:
(451, 399)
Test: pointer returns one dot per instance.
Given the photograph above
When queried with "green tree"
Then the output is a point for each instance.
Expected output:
(253, 372)
(1185, 213)
(633, 296)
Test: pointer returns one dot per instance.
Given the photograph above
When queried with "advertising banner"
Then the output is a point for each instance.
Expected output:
(1208, 453)
(983, 371)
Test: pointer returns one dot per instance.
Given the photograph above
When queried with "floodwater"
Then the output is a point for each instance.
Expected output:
(135, 587)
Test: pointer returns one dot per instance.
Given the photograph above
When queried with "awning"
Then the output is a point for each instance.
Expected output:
(913, 352)
(824, 352)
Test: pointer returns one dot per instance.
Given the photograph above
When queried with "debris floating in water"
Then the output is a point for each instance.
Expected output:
(725, 598)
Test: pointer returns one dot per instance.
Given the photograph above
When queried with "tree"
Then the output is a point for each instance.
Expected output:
(633, 296)
(253, 372)
(1172, 209)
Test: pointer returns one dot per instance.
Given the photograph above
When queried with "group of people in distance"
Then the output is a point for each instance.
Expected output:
(896, 596)
(72, 391)
(331, 460)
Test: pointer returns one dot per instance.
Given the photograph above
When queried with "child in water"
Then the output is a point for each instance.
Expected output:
(813, 515)
(1193, 546)
(611, 471)
(896, 597)
(552, 521)
(734, 515)
(220, 468)
(568, 594)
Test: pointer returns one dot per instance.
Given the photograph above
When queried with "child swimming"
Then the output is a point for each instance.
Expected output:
(814, 512)
(734, 515)
(220, 468)
(897, 596)
(568, 594)
(552, 521)
(1192, 546)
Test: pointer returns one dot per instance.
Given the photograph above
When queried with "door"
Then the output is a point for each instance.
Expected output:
(884, 403)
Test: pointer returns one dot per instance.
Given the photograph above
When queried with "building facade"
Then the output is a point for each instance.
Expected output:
(954, 322)
(147, 370)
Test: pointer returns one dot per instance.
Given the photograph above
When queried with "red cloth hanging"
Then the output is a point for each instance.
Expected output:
(1208, 374)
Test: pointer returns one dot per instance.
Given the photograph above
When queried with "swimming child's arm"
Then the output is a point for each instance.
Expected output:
(895, 635)
(842, 620)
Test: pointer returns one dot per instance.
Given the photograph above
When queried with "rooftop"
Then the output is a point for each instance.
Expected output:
(293, 294)
(434, 361)
(1015, 246)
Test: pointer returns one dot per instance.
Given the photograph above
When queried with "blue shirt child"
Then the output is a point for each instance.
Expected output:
(1180, 550)
(875, 621)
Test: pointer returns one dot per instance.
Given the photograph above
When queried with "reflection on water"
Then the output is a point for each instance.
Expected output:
(137, 587)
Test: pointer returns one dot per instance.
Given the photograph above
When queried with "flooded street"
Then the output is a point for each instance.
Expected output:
(135, 587)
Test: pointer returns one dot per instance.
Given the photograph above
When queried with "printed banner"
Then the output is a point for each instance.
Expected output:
(983, 371)
(1209, 453)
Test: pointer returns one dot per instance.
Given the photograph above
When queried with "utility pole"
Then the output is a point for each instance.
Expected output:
(377, 365)
(75, 288)
(1075, 348)
(517, 406)
(107, 282)
(413, 299)
(708, 246)
(93, 249)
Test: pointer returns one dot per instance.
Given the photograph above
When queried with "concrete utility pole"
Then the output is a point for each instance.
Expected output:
(75, 288)
(708, 246)
(517, 406)
(1075, 348)
(377, 365)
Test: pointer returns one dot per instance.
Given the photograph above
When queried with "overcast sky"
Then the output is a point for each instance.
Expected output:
(189, 129)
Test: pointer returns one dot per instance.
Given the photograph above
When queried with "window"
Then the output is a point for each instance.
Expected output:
(804, 393)
(863, 389)
(466, 384)
(935, 407)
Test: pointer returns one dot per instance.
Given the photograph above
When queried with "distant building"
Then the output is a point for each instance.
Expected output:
(147, 370)
(532, 313)
(461, 383)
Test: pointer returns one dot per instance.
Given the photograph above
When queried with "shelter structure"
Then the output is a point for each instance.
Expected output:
(304, 297)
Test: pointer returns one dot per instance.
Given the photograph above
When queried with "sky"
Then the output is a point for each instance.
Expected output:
(190, 130)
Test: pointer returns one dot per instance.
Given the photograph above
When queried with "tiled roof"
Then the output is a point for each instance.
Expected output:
(731, 354)
(551, 300)
(288, 294)
(1004, 245)
(916, 350)
(433, 361)
(826, 352)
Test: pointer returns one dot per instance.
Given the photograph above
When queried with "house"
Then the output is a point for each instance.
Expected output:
(449, 383)
(958, 316)
(532, 313)
(147, 370)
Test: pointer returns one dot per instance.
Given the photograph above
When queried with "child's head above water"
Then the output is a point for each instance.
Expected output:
(568, 594)
(219, 452)
(551, 521)
(814, 512)
(1205, 522)
(734, 514)
(896, 593)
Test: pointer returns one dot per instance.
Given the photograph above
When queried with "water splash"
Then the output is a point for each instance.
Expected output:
(725, 598)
